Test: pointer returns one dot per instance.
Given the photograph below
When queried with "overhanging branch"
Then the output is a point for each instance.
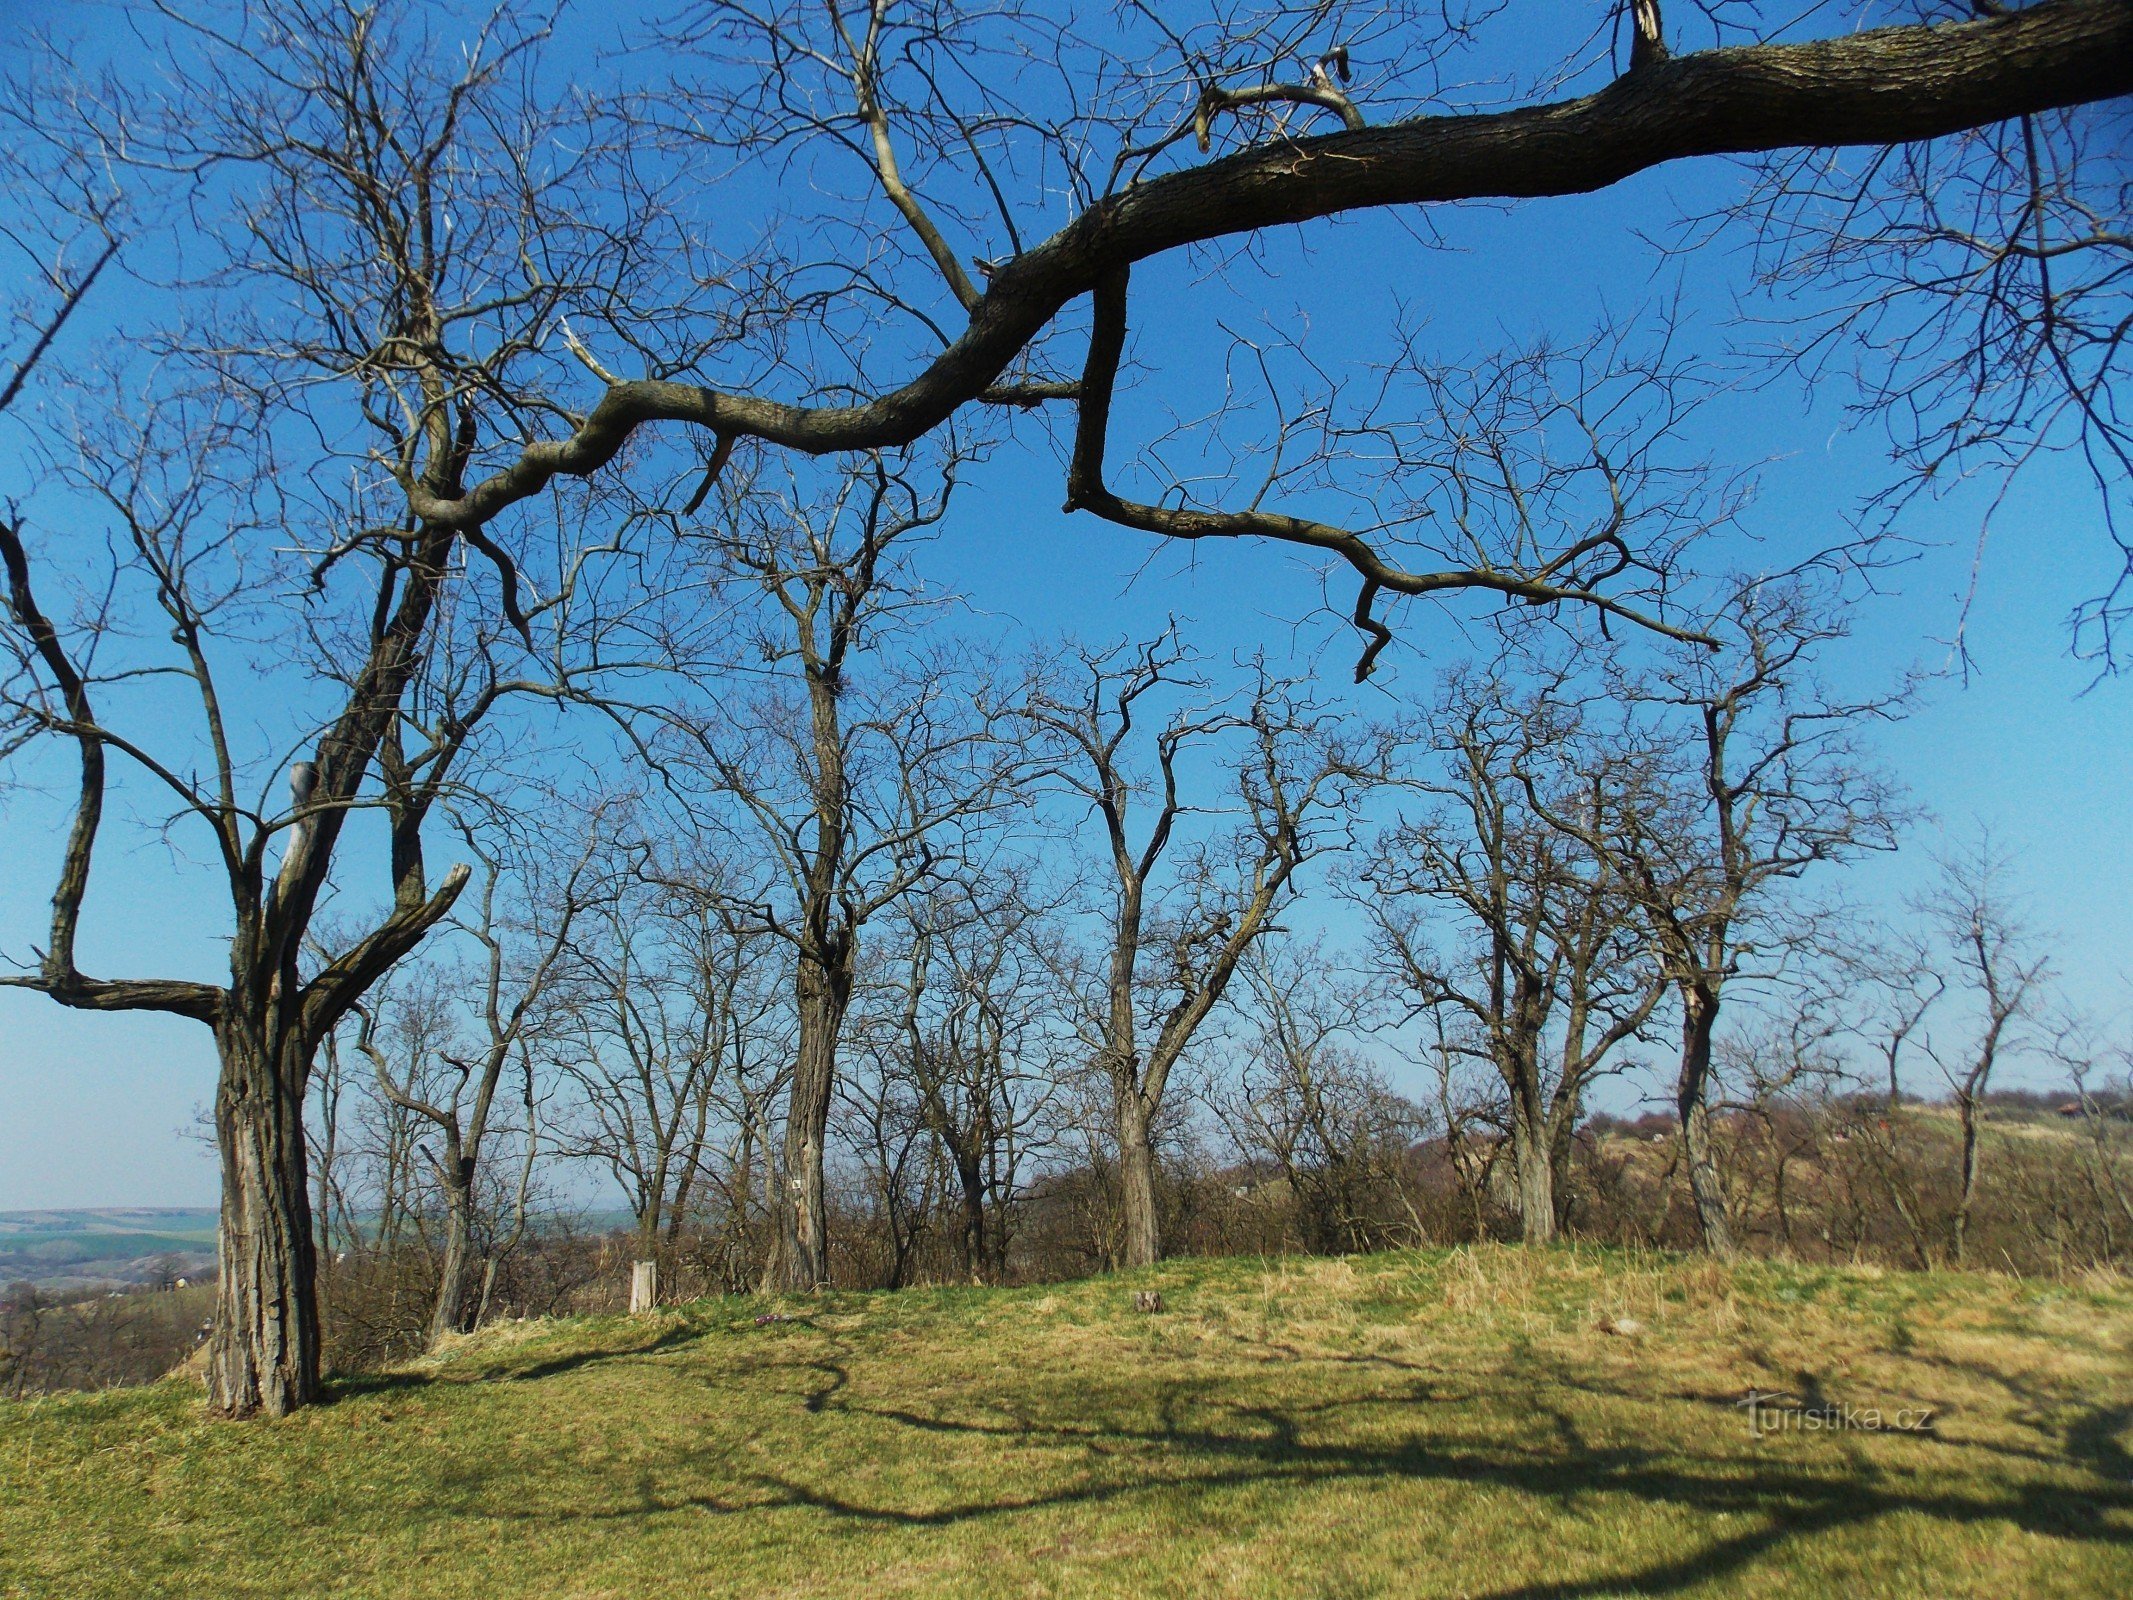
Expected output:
(1886, 86)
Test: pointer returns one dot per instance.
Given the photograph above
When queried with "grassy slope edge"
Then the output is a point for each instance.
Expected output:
(1418, 1423)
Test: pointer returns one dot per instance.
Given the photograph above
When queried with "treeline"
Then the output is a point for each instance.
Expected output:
(921, 965)
(464, 493)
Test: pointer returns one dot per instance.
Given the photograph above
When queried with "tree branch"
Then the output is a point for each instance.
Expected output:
(1884, 86)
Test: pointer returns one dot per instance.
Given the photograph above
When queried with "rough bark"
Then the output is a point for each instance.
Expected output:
(1143, 1233)
(264, 1354)
(800, 1256)
(1699, 1017)
(452, 1314)
(1533, 1157)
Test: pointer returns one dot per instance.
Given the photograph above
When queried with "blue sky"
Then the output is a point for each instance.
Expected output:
(98, 1110)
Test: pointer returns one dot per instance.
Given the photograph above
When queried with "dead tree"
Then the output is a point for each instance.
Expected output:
(1169, 953)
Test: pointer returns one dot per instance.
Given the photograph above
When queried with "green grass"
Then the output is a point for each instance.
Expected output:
(1434, 1423)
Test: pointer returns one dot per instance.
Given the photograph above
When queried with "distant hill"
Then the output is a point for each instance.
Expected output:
(115, 1245)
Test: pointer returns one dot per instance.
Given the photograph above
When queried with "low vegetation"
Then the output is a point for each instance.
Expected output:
(1485, 1420)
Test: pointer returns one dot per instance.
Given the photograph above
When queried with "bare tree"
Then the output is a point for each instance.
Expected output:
(1759, 781)
(383, 236)
(1169, 954)
(1057, 156)
(374, 257)
(520, 949)
(858, 750)
(2002, 974)
(1306, 1097)
(1977, 288)
(663, 993)
(1550, 975)
(976, 1031)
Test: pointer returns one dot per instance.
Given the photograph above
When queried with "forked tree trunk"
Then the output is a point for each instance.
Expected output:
(800, 1254)
(1699, 1017)
(264, 1354)
(1136, 1180)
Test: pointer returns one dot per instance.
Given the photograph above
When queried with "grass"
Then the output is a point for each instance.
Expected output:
(1418, 1423)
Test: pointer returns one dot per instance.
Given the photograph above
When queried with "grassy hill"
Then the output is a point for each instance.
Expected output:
(1489, 1422)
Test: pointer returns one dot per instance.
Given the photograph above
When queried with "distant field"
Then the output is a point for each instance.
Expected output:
(1433, 1423)
(63, 1249)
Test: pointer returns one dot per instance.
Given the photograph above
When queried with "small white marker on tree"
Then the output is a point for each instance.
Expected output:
(644, 1287)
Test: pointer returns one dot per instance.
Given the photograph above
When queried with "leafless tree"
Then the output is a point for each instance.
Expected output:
(879, 1119)
(2106, 1109)
(1770, 1075)
(1979, 289)
(1549, 973)
(1057, 155)
(1758, 781)
(858, 749)
(1307, 1097)
(521, 940)
(1170, 952)
(375, 260)
(2002, 974)
(976, 1030)
(663, 993)
(384, 235)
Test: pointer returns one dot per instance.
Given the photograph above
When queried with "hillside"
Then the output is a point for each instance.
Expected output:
(1488, 1422)
(61, 1250)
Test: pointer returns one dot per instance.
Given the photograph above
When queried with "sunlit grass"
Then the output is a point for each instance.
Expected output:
(1456, 1423)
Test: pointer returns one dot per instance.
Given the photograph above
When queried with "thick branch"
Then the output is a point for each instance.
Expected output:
(1887, 86)
(58, 977)
(333, 993)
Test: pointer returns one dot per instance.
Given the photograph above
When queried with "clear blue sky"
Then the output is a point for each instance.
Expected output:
(98, 1110)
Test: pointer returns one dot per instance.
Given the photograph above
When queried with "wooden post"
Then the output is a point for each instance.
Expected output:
(644, 1287)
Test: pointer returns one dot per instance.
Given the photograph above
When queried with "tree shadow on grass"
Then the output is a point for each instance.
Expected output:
(1790, 1500)
(1185, 1451)
(359, 1385)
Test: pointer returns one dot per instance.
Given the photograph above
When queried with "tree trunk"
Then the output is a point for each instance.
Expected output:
(264, 1355)
(971, 1236)
(1533, 1155)
(800, 1253)
(1699, 1017)
(1959, 1225)
(1562, 1152)
(450, 1314)
(1136, 1179)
